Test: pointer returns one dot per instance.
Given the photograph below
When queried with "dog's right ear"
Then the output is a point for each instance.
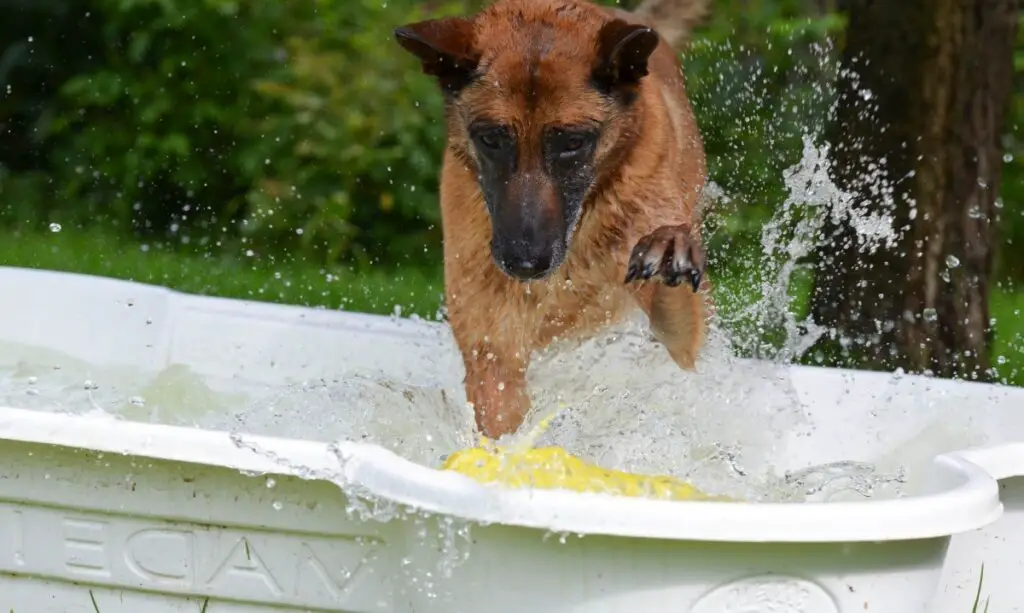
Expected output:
(445, 48)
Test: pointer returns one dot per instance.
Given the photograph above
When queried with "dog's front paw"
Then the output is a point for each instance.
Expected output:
(670, 253)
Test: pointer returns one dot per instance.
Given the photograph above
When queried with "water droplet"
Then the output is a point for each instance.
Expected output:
(271, 482)
(952, 261)
(137, 401)
(931, 314)
(55, 227)
(277, 505)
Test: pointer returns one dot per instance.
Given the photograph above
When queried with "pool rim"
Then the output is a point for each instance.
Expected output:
(372, 470)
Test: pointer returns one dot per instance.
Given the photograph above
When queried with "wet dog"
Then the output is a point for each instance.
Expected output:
(570, 183)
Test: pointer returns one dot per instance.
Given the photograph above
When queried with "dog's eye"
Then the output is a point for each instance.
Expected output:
(573, 142)
(490, 140)
(493, 138)
(569, 144)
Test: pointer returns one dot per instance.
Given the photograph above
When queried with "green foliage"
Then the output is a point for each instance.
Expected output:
(350, 164)
(288, 126)
(159, 135)
(1011, 212)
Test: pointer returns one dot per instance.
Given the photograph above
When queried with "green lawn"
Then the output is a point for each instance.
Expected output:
(413, 290)
(230, 275)
(1007, 308)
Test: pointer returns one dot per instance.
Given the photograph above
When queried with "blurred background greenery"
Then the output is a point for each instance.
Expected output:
(289, 151)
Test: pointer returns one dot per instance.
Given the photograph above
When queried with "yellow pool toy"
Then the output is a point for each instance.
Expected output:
(555, 468)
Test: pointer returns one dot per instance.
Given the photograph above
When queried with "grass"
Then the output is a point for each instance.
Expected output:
(411, 290)
(977, 596)
(96, 608)
(229, 275)
(1007, 308)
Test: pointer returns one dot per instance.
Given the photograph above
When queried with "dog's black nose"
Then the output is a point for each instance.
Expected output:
(528, 269)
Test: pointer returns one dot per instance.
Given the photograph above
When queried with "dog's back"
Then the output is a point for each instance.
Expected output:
(573, 161)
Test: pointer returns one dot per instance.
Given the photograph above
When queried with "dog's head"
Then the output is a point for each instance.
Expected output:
(540, 97)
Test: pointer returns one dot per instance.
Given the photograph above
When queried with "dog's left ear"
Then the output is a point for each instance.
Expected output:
(622, 53)
(445, 48)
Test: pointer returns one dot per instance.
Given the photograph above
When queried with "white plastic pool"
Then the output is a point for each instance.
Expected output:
(112, 515)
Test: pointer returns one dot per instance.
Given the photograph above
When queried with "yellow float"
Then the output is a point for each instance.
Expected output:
(555, 468)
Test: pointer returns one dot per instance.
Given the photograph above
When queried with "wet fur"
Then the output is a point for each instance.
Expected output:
(533, 64)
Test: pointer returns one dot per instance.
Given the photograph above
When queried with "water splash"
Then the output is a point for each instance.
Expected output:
(837, 480)
(793, 234)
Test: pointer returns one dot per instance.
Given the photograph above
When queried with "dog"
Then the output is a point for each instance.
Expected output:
(570, 184)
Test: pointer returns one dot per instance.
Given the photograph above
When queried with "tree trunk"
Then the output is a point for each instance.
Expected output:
(923, 100)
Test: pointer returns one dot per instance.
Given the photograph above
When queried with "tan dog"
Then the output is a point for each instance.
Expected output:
(570, 183)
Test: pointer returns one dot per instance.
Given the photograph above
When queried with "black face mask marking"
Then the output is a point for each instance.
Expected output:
(535, 198)
(569, 160)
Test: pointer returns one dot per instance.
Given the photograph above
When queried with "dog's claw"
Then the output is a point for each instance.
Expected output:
(669, 253)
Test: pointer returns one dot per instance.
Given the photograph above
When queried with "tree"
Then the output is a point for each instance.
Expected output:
(924, 93)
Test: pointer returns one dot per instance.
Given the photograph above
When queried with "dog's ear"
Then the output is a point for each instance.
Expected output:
(445, 48)
(622, 53)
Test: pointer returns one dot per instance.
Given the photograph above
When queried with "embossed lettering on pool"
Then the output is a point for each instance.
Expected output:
(194, 559)
(767, 594)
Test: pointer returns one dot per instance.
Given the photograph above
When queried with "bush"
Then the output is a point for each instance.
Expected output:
(156, 136)
(291, 126)
(349, 164)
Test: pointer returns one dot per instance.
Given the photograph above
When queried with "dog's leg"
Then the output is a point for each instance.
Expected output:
(489, 329)
(673, 258)
(677, 317)
(496, 386)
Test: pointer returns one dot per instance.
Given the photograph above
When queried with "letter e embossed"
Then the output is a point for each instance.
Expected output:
(85, 548)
